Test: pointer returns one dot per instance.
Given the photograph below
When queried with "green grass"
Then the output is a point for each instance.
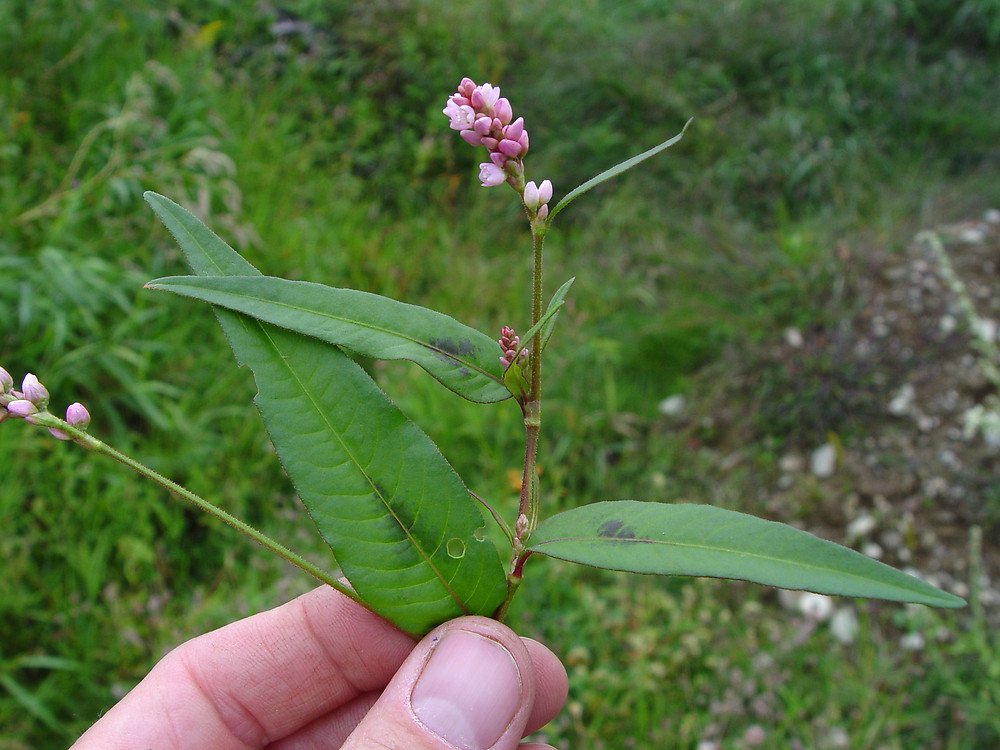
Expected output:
(323, 155)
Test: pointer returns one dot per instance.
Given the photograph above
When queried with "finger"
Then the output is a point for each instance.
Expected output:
(468, 685)
(551, 685)
(333, 729)
(259, 679)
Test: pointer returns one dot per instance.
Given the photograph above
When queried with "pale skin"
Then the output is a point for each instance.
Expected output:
(323, 672)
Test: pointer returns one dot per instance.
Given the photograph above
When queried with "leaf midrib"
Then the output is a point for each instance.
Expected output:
(691, 545)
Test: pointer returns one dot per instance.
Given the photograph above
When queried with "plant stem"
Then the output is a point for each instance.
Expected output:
(88, 441)
(533, 405)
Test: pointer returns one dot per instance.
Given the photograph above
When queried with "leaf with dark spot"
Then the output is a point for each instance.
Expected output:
(460, 357)
(701, 540)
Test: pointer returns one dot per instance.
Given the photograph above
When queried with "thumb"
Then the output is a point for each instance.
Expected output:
(468, 685)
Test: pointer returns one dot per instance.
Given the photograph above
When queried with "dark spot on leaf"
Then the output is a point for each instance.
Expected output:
(615, 529)
(452, 347)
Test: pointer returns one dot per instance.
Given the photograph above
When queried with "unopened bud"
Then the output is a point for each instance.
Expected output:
(503, 111)
(543, 211)
(34, 391)
(6, 381)
(22, 408)
(509, 148)
(514, 130)
(521, 526)
(530, 196)
(545, 191)
(471, 137)
(77, 415)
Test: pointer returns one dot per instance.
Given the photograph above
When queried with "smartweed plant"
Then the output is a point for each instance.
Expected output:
(408, 536)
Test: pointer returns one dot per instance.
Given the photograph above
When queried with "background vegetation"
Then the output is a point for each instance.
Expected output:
(309, 134)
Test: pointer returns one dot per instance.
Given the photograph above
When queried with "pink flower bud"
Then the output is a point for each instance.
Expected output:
(530, 196)
(6, 381)
(461, 101)
(466, 87)
(498, 158)
(491, 175)
(476, 99)
(77, 415)
(22, 408)
(491, 143)
(59, 434)
(503, 111)
(543, 211)
(34, 391)
(523, 140)
(545, 191)
(483, 125)
(509, 148)
(514, 130)
(472, 137)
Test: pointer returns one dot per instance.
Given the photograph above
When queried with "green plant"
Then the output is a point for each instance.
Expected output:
(395, 514)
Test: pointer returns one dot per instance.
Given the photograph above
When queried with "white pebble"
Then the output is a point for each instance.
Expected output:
(823, 461)
(672, 406)
(844, 625)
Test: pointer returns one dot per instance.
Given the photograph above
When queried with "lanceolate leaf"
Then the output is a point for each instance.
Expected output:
(614, 172)
(701, 540)
(461, 358)
(555, 304)
(397, 517)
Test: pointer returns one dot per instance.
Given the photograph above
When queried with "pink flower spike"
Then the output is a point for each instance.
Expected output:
(509, 148)
(22, 408)
(514, 130)
(498, 159)
(545, 191)
(530, 196)
(472, 137)
(6, 381)
(491, 175)
(503, 111)
(77, 415)
(34, 391)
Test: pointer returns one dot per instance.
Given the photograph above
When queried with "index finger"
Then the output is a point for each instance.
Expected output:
(257, 680)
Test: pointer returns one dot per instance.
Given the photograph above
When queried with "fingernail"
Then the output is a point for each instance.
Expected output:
(468, 691)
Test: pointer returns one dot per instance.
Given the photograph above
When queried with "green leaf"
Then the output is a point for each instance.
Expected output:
(555, 304)
(398, 518)
(461, 358)
(546, 317)
(383, 497)
(614, 172)
(701, 540)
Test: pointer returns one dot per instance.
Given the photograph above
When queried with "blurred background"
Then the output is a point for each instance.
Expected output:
(752, 325)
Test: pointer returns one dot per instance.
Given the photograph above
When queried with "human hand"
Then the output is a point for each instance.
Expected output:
(323, 672)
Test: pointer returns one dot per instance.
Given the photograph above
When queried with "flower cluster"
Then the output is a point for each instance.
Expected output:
(32, 401)
(484, 118)
(510, 343)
